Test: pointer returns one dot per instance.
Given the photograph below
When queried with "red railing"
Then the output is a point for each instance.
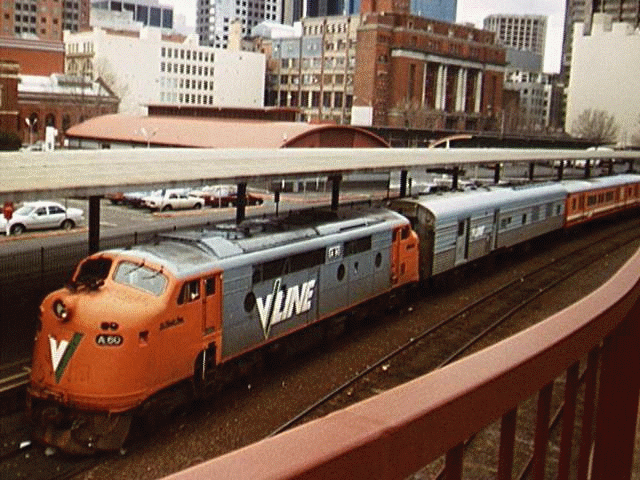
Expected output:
(396, 433)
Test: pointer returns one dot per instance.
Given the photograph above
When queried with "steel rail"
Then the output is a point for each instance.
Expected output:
(414, 340)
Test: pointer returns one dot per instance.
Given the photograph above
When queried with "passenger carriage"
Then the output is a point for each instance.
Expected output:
(598, 197)
(458, 228)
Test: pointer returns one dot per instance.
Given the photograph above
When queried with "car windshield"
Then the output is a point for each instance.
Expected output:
(25, 210)
(140, 277)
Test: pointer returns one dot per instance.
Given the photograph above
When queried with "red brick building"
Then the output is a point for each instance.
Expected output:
(416, 72)
(45, 19)
(9, 96)
(35, 57)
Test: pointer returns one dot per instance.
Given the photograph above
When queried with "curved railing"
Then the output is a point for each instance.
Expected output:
(398, 432)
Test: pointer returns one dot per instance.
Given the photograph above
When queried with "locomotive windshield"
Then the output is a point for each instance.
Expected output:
(140, 277)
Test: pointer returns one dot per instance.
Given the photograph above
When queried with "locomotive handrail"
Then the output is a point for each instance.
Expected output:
(396, 433)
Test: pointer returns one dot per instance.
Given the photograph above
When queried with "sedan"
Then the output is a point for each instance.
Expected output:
(41, 215)
(173, 200)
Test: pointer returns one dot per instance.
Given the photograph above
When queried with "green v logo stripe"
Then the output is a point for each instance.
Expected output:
(62, 352)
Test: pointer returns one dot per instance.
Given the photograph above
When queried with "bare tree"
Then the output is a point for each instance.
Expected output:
(595, 125)
(635, 137)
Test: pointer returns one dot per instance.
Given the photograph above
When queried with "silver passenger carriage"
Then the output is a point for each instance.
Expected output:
(456, 228)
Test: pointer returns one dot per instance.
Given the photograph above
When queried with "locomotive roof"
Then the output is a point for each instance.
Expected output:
(185, 252)
(457, 205)
(574, 186)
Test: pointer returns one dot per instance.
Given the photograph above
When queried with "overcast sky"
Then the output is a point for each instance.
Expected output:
(472, 11)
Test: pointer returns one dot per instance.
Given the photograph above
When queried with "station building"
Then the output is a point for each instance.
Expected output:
(421, 73)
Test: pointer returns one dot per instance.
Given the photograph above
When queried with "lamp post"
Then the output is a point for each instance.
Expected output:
(32, 128)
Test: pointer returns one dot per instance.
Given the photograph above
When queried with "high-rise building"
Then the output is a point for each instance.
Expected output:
(627, 11)
(444, 10)
(521, 32)
(43, 19)
(592, 70)
(524, 37)
(148, 12)
(214, 18)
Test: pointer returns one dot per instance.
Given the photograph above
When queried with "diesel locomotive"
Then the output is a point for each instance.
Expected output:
(136, 324)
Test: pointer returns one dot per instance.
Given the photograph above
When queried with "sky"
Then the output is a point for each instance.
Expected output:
(473, 11)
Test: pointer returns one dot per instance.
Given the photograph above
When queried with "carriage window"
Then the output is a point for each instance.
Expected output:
(591, 200)
(524, 218)
(405, 233)
(190, 292)
(140, 277)
(573, 204)
(609, 196)
(460, 229)
(210, 286)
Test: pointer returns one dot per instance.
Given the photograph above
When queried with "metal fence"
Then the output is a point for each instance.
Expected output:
(27, 277)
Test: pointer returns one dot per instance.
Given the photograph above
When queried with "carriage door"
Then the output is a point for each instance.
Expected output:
(212, 312)
(462, 241)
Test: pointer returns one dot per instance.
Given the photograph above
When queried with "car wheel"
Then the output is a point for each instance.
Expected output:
(166, 208)
(17, 229)
(67, 224)
(197, 206)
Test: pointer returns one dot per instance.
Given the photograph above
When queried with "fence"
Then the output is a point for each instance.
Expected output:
(397, 433)
(25, 279)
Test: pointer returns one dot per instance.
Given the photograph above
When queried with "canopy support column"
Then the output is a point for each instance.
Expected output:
(403, 183)
(335, 191)
(241, 202)
(94, 224)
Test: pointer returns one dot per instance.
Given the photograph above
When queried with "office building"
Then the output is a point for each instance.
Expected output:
(149, 67)
(598, 83)
(148, 12)
(214, 18)
(45, 20)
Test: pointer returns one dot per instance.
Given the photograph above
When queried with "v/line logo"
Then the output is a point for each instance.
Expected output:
(62, 352)
(280, 305)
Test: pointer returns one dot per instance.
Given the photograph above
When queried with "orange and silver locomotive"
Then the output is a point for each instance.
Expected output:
(135, 324)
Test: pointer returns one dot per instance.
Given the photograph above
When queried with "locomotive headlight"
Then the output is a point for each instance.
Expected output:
(61, 311)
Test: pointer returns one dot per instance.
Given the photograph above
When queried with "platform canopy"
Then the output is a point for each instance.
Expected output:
(86, 173)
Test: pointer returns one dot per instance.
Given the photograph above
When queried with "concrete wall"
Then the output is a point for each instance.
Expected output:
(605, 69)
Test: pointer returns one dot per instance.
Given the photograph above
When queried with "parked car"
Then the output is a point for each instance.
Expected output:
(41, 215)
(173, 200)
(134, 199)
(224, 196)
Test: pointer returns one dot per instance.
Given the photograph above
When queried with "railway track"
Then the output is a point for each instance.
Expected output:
(480, 323)
(391, 369)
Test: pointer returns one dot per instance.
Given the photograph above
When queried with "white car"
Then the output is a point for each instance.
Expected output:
(41, 215)
(172, 200)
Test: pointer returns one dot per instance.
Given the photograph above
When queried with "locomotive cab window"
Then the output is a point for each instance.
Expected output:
(190, 292)
(93, 269)
(140, 277)
(210, 286)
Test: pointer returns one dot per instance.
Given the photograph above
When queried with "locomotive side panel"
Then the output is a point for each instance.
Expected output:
(237, 333)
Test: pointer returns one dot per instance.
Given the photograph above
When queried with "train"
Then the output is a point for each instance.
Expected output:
(138, 327)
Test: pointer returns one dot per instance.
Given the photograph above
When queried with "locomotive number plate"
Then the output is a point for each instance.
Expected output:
(109, 340)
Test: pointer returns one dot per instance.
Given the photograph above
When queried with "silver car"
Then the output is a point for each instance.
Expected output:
(41, 215)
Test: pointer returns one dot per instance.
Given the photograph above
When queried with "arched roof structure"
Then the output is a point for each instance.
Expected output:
(198, 132)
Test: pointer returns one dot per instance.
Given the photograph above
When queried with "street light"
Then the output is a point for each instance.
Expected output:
(32, 128)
